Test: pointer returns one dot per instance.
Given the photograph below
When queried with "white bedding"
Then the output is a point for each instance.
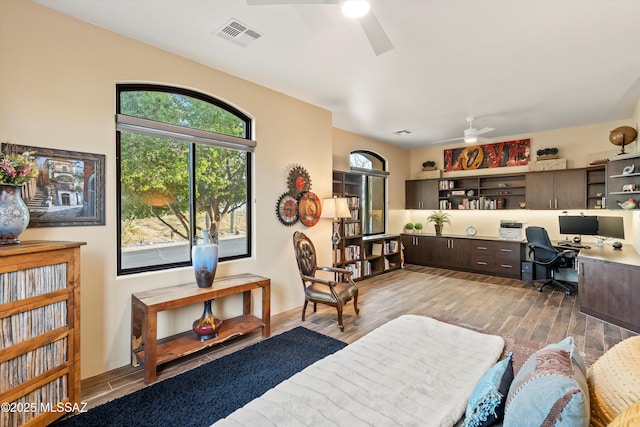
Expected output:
(411, 371)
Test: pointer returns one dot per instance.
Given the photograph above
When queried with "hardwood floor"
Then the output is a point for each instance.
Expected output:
(491, 304)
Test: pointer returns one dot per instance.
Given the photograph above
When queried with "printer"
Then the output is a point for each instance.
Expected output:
(511, 230)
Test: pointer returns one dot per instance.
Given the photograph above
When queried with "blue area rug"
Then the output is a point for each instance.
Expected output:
(205, 394)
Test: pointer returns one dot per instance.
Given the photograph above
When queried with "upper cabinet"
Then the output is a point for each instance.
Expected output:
(623, 181)
(421, 194)
(561, 189)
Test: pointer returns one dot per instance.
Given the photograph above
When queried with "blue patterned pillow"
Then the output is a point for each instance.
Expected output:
(486, 404)
(550, 389)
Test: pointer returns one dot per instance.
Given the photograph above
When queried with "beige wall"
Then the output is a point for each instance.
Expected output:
(57, 86)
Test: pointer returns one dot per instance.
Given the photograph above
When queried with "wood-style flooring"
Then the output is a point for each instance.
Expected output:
(491, 304)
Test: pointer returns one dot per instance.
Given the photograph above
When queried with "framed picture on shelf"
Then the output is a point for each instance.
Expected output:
(69, 189)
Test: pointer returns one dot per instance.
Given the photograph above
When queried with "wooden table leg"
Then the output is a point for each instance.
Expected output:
(150, 337)
(246, 302)
(266, 311)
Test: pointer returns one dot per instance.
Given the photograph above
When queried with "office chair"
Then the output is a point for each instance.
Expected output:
(542, 252)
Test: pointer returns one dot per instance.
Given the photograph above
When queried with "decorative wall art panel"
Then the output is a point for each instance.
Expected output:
(497, 155)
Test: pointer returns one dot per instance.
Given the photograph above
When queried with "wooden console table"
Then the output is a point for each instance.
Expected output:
(146, 348)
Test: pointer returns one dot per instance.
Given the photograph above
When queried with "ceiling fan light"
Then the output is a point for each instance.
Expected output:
(355, 8)
(470, 139)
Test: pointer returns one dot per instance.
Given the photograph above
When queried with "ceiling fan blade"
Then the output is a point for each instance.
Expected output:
(484, 130)
(375, 33)
(269, 2)
(483, 139)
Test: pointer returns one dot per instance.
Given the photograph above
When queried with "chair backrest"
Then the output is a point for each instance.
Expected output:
(305, 254)
(543, 250)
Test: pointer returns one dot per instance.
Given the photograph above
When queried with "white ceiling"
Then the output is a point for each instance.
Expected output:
(517, 66)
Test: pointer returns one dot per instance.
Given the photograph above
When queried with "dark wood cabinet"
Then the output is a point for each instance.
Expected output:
(562, 189)
(421, 194)
(415, 249)
(610, 290)
(508, 257)
(494, 257)
(482, 256)
(453, 253)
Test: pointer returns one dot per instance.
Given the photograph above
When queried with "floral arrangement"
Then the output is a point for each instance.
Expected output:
(17, 168)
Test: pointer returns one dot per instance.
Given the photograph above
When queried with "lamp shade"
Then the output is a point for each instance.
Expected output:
(336, 207)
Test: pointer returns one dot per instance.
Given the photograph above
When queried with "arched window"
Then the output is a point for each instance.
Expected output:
(183, 164)
(374, 183)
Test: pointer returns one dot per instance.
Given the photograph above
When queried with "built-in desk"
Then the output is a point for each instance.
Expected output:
(609, 285)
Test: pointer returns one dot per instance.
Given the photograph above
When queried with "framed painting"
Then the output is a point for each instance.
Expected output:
(69, 188)
(497, 155)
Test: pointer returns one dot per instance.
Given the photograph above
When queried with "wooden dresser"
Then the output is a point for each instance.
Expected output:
(40, 331)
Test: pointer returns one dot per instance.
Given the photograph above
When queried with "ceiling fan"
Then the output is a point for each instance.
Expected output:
(357, 9)
(471, 135)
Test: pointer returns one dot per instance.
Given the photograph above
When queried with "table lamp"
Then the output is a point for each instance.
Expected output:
(335, 209)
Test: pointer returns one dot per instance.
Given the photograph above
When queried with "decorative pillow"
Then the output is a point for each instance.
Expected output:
(486, 404)
(629, 418)
(550, 389)
(614, 381)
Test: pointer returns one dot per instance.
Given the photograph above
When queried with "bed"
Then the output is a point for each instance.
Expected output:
(411, 371)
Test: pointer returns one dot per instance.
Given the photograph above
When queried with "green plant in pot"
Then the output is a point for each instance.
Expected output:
(418, 226)
(429, 165)
(408, 226)
(439, 218)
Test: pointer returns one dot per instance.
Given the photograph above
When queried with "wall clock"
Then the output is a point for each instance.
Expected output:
(309, 209)
(287, 209)
(471, 231)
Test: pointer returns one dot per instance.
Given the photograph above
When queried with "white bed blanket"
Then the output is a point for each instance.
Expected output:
(411, 371)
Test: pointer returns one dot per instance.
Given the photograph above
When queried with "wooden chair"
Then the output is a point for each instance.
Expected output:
(318, 290)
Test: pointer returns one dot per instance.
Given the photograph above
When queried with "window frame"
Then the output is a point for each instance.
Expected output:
(366, 175)
(192, 136)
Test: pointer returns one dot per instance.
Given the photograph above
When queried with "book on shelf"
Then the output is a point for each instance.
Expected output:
(376, 249)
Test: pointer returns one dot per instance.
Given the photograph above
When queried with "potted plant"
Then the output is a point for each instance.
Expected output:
(418, 226)
(547, 153)
(439, 218)
(429, 166)
(409, 227)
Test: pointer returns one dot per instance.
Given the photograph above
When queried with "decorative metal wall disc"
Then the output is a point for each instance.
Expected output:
(287, 209)
(309, 209)
(299, 181)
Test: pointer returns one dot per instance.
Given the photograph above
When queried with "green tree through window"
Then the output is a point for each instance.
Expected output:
(182, 166)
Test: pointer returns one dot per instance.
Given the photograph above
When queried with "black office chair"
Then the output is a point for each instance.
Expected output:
(542, 253)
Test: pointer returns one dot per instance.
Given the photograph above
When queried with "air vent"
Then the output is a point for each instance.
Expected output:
(238, 33)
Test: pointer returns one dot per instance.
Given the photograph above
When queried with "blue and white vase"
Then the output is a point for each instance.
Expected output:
(14, 214)
(205, 261)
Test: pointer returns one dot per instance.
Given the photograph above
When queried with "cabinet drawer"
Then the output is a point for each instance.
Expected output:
(508, 252)
(482, 247)
(506, 269)
(482, 263)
